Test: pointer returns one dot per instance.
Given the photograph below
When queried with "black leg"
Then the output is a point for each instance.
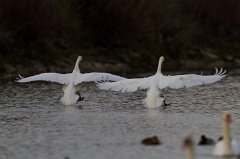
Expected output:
(80, 98)
(165, 105)
(164, 102)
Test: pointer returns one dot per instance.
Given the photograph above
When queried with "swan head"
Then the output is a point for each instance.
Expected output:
(159, 70)
(187, 142)
(79, 58)
(161, 59)
(188, 146)
(227, 117)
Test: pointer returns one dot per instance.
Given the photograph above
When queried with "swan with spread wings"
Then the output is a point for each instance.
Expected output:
(158, 82)
(71, 81)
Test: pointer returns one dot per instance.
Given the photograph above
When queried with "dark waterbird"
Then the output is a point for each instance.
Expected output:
(206, 141)
(151, 141)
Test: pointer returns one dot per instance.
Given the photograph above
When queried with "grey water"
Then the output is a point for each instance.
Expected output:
(111, 125)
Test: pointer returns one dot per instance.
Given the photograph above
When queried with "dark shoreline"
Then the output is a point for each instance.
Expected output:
(120, 37)
(119, 68)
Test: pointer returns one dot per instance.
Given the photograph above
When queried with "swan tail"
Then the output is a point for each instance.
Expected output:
(153, 101)
(69, 100)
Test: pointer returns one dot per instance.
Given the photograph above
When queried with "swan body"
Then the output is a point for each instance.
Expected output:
(226, 146)
(153, 99)
(70, 97)
(220, 146)
(158, 82)
(71, 81)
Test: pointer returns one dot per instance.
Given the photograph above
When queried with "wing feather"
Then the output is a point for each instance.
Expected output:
(189, 80)
(127, 85)
(97, 76)
(173, 82)
(51, 77)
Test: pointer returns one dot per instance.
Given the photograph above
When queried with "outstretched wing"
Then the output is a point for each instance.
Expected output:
(51, 77)
(127, 85)
(97, 76)
(189, 80)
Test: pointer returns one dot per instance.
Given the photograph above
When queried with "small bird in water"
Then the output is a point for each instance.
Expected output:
(151, 141)
(206, 141)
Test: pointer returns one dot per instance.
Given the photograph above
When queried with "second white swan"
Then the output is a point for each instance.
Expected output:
(158, 82)
(227, 146)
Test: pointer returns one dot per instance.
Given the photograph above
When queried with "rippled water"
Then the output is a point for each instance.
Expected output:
(107, 125)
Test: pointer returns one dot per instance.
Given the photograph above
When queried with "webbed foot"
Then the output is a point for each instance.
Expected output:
(165, 105)
(80, 98)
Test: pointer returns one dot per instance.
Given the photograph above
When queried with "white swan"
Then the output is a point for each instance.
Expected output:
(226, 146)
(156, 83)
(188, 146)
(71, 81)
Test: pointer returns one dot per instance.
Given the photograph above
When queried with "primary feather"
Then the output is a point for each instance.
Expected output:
(189, 80)
(96, 76)
(51, 77)
(127, 85)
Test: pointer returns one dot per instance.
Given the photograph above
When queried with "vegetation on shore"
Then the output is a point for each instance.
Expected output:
(118, 36)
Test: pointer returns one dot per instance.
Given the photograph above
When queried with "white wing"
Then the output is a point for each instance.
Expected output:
(51, 77)
(127, 85)
(97, 76)
(185, 81)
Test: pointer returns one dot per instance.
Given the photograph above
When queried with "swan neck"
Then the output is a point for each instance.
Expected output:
(190, 152)
(159, 70)
(76, 68)
(226, 138)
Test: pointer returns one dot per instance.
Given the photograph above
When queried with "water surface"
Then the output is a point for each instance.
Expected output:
(107, 125)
